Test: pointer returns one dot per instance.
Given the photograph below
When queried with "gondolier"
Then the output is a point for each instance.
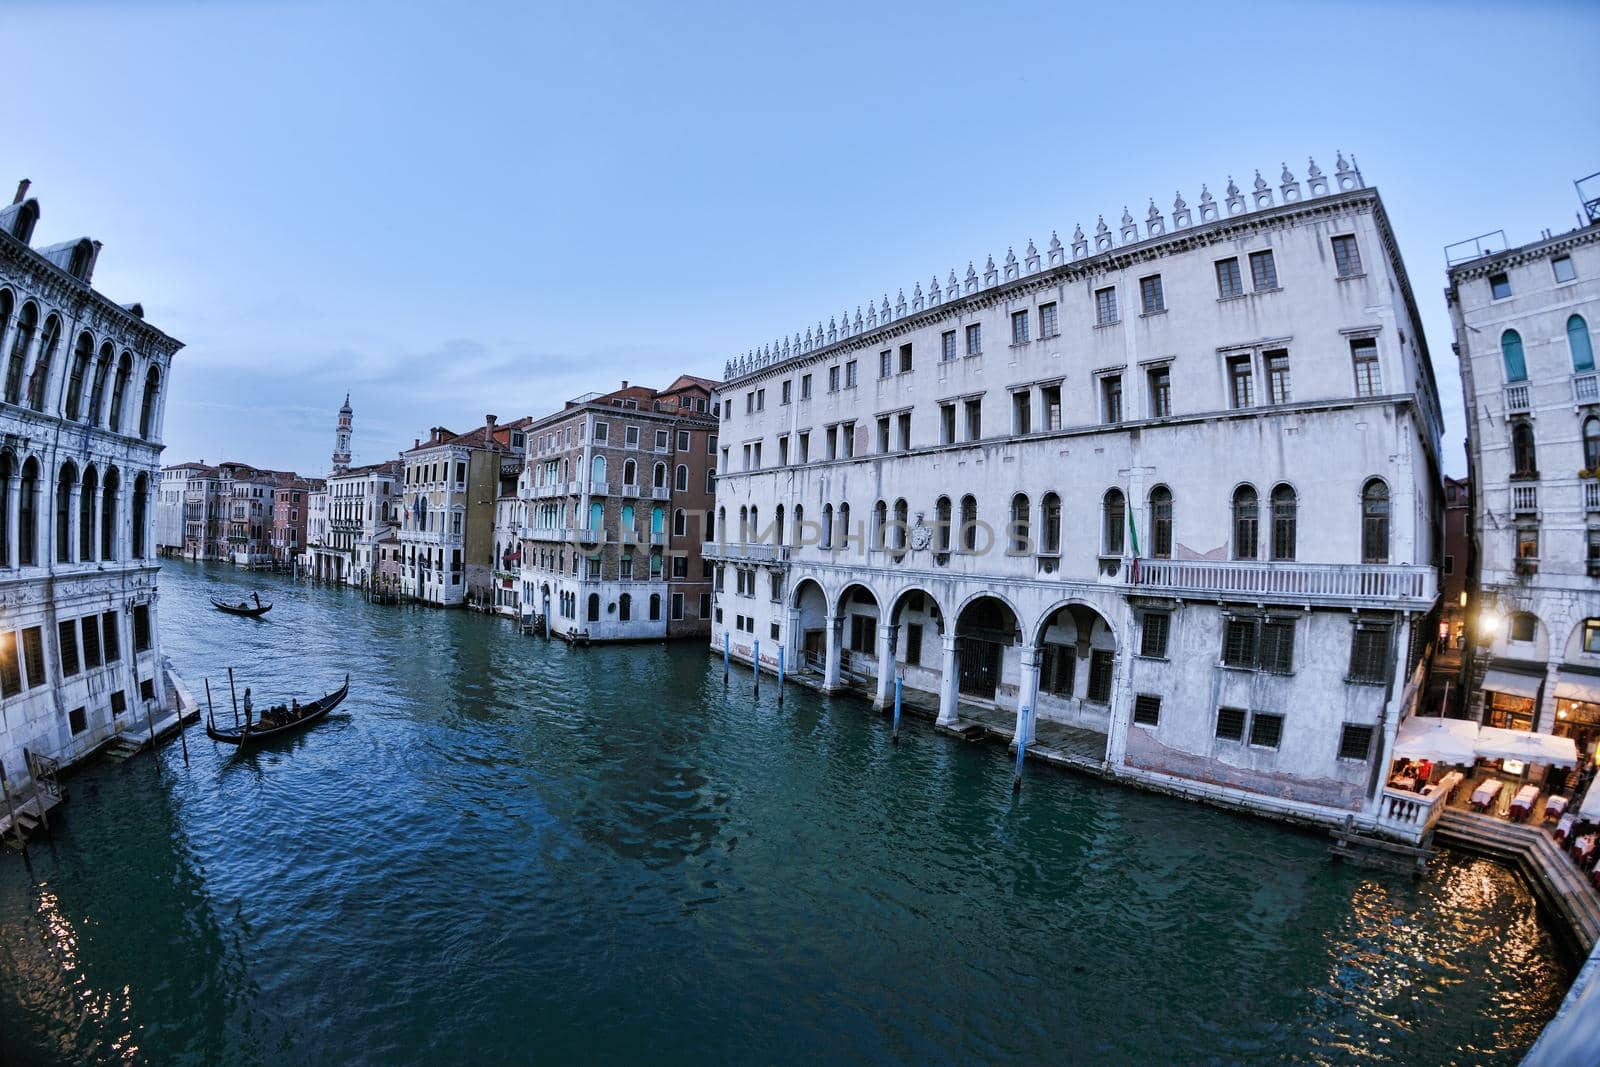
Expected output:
(277, 720)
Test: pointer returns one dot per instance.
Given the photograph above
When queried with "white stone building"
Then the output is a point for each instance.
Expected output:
(1174, 489)
(446, 538)
(81, 414)
(362, 513)
(1524, 323)
(169, 507)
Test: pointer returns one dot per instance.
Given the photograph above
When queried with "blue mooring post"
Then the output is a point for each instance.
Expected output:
(895, 736)
(780, 674)
(758, 666)
(724, 657)
(1022, 748)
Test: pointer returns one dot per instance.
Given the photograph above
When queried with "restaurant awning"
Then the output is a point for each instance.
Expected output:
(1440, 740)
(1529, 747)
(1520, 685)
(1582, 687)
(1589, 810)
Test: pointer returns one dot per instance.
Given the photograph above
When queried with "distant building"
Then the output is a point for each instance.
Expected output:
(170, 528)
(248, 495)
(291, 515)
(618, 493)
(1524, 321)
(363, 512)
(84, 391)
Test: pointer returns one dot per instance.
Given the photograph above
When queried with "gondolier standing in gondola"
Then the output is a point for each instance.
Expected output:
(257, 598)
(247, 705)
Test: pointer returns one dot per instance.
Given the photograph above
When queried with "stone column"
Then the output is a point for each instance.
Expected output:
(13, 519)
(949, 683)
(1028, 694)
(74, 507)
(794, 641)
(888, 641)
(830, 669)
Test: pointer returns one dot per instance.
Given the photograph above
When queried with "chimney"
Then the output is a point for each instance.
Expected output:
(488, 421)
(22, 191)
(624, 383)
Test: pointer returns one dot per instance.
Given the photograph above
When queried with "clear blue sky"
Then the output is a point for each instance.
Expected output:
(449, 212)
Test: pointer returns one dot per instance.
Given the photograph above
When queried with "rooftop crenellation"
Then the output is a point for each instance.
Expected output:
(875, 313)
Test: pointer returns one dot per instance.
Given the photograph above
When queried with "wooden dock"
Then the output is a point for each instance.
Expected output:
(30, 817)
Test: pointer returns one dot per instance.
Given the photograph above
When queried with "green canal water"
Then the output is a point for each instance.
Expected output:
(502, 851)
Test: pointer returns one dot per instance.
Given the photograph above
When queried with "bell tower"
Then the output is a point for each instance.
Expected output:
(341, 438)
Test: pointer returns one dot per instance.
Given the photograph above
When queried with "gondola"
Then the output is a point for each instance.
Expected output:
(264, 728)
(241, 609)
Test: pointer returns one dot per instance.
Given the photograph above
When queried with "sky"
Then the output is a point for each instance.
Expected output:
(448, 210)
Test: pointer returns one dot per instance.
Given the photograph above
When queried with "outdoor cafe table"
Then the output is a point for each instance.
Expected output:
(1522, 803)
(1484, 795)
(1584, 848)
(1564, 828)
(1447, 784)
(1555, 807)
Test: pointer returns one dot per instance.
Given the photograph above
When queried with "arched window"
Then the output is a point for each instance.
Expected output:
(119, 390)
(777, 524)
(658, 520)
(1285, 509)
(102, 367)
(64, 483)
(141, 495)
(27, 324)
(630, 473)
(969, 523)
(941, 523)
(87, 499)
(1591, 444)
(28, 515)
(681, 480)
(8, 470)
(108, 516)
(1524, 462)
(81, 355)
(755, 524)
(1511, 350)
(624, 608)
(1050, 523)
(1020, 540)
(1375, 522)
(594, 607)
(655, 607)
(827, 526)
(1114, 522)
(1246, 522)
(39, 380)
(902, 513)
(844, 525)
(7, 305)
(597, 517)
(597, 469)
(1161, 523)
(1578, 341)
(880, 525)
(680, 523)
(659, 476)
(799, 522)
(744, 525)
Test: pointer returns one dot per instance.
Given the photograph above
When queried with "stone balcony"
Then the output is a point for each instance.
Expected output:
(1409, 817)
(1378, 585)
(747, 553)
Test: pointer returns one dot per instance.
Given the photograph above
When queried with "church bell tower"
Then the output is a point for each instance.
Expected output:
(341, 438)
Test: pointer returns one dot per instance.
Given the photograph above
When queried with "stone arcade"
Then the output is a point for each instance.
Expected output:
(1175, 492)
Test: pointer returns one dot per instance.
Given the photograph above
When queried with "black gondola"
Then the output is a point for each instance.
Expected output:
(241, 608)
(278, 720)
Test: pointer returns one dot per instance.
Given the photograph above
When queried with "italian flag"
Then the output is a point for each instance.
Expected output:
(1133, 539)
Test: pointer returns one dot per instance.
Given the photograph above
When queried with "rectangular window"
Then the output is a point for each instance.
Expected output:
(33, 655)
(974, 419)
(1562, 265)
(1277, 362)
(947, 346)
(1364, 359)
(1019, 328)
(1499, 286)
(1111, 399)
(1239, 643)
(1152, 300)
(883, 433)
(1346, 257)
(886, 363)
(833, 379)
(914, 645)
(67, 634)
(662, 438)
(850, 375)
(1369, 655)
(1276, 646)
(1240, 393)
(1266, 731)
(805, 387)
(1355, 742)
(602, 434)
(1160, 392)
(1105, 306)
(1050, 405)
(91, 641)
(630, 436)
(905, 359)
(783, 450)
(847, 438)
(804, 455)
(1263, 271)
(974, 338)
(112, 641)
(1146, 710)
(1229, 284)
(78, 720)
(1047, 320)
(833, 442)
(904, 423)
(147, 689)
(947, 424)
(1230, 724)
(1021, 413)
(1060, 669)
(749, 403)
(785, 392)
(141, 627)
(119, 702)
(1100, 665)
(1153, 629)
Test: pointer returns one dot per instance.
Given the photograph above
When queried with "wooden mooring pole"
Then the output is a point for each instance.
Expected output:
(894, 735)
(150, 719)
(757, 663)
(1022, 749)
(235, 693)
(780, 674)
(16, 827)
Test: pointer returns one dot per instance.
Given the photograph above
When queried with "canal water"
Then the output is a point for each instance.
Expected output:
(501, 850)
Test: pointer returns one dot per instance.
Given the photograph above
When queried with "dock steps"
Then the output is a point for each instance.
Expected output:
(122, 748)
(1558, 882)
(29, 817)
(1369, 851)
